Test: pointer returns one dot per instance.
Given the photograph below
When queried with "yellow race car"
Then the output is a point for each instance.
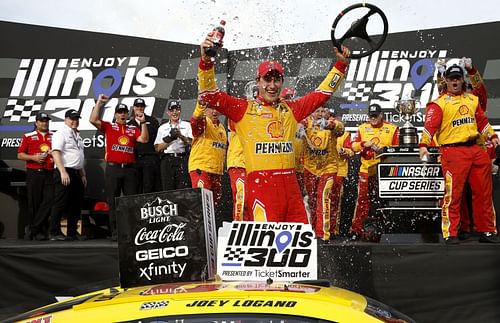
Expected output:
(241, 302)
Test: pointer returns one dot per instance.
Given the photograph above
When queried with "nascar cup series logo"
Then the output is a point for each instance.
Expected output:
(259, 251)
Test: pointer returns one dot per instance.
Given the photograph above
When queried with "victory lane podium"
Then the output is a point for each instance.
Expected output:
(166, 237)
(410, 192)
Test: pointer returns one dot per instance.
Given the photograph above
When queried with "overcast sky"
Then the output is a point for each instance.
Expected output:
(250, 23)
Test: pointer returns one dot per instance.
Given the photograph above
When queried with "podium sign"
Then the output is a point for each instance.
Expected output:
(166, 237)
(411, 180)
(258, 251)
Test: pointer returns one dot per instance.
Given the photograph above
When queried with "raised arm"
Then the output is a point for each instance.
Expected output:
(96, 111)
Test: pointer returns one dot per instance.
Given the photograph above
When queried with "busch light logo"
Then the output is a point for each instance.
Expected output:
(159, 211)
(259, 251)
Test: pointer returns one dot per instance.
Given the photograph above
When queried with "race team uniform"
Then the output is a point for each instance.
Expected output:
(39, 181)
(344, 145)
(120, 158)
(273, 193)
(383, 135)
(208, 154)
(458, 121)
(320, 169)
(235, 163)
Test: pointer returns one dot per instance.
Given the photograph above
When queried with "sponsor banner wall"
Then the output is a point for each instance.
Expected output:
(51, 69)
(403, 67)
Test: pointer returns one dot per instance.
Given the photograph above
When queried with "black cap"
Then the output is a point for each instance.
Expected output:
(454, 70)
(72, 114)
(121, 107)
(374, 110)
(174, 104)
(42, 116)
(138, 102)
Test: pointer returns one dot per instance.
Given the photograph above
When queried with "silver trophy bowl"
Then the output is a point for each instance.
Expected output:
(407, 108)
(408, 132)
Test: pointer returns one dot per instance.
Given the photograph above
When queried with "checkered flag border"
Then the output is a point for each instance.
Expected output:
(234, 254)
(359, 92)
(17, 109)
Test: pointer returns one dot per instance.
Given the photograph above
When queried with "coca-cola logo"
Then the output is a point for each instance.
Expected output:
(169, 233)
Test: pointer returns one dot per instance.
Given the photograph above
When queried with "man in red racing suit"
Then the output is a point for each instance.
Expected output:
(457, 119)
(266, 126)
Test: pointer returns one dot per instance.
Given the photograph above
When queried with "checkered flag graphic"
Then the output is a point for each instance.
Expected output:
(361, 92)
(18, 109)
(235, 254)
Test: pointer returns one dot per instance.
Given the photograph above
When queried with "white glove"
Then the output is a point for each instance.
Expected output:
(494, 169)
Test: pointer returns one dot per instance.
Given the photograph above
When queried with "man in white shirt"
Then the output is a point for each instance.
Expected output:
(69, 178)
(172, 142)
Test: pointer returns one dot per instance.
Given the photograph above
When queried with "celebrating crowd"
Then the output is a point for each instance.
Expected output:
(286, 156)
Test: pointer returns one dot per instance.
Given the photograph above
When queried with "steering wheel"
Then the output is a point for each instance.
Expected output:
(358, 32)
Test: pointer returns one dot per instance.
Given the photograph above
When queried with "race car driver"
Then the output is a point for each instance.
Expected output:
(267, 126)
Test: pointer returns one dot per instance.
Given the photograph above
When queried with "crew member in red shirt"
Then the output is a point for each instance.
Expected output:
(35, 150)
(121, 138)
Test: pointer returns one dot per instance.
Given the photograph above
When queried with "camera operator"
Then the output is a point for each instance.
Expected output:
(172, 142)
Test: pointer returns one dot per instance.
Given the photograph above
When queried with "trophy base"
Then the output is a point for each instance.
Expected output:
(408, 137)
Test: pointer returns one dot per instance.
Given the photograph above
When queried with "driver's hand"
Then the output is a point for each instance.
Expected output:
(342, 55)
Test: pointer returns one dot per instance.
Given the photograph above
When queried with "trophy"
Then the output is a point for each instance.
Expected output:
(407, 133)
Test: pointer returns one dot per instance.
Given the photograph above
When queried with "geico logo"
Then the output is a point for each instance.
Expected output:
(160, 210)
(273, 258)
(162, 253)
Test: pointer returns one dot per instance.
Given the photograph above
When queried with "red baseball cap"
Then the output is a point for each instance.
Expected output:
(269, 66)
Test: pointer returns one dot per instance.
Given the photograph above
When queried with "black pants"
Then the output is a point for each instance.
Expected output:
(174, 172)
(118, 180)
(40, 190)
(68, 201)
(148, 173)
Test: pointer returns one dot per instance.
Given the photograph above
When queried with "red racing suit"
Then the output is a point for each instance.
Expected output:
(208, 153)
(383, 135)
(237, 175)
(344, 148)
(320, 169)
(458, 121)
(266, 133)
